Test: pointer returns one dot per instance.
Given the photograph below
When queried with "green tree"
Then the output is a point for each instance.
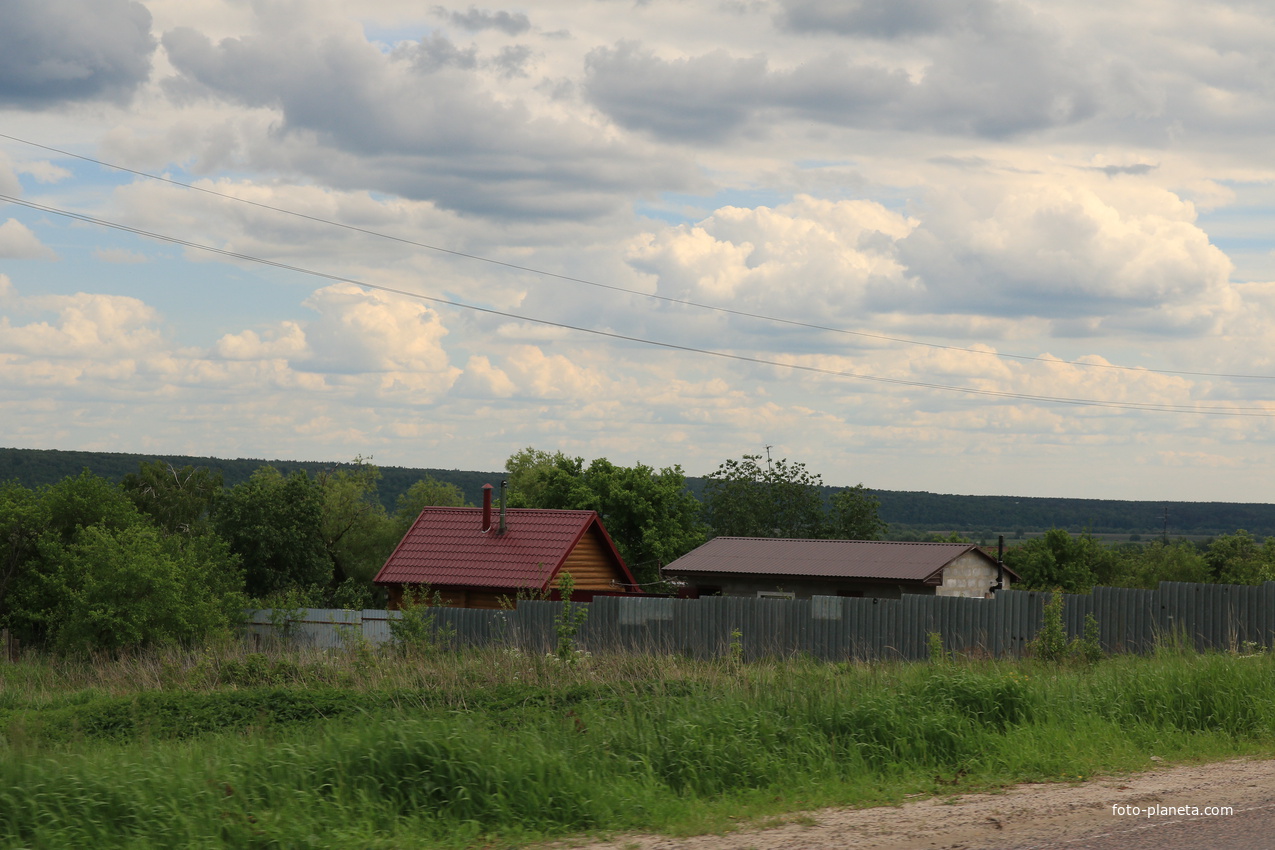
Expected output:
(23, 519)
(275, 525)
(649, 513)
(358, 535)
(85, 500)
(752, 498)
(1060, 561)
(1160, 561)
(538, 479)
(178, 500)
(43, 525)
(133, 587)
(854, 514)
(427, 492)
(1238, 559)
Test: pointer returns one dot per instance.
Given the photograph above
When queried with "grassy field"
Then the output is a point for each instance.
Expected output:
(361, 749)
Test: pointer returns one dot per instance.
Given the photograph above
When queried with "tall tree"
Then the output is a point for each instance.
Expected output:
(854, 514)
(23, 518)
(753, 497)
(428, 492)
(358, 535)
(649, 513)
(275, 524)
(179, 500)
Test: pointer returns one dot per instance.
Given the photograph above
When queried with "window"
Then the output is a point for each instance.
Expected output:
(774, 594)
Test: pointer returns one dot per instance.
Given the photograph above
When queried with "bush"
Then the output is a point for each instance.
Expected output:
(132, 588)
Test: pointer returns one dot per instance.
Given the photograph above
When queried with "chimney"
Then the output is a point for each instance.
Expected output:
(487, 508)
(1000, 565)
(503, 527)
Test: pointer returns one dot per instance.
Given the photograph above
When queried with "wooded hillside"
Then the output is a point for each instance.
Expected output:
(903, 510)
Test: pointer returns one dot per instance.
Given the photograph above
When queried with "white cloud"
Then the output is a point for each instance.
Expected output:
(810, 258)
(1069, 251)
(18, 242)
(1070, 182)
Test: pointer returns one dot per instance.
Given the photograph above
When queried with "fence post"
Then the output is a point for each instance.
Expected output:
(8, 647)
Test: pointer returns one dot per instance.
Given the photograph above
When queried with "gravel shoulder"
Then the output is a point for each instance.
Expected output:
(1032, 815)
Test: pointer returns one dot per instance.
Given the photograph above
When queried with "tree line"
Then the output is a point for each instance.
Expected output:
(173, 554)
(1076, 563)
(909, 513)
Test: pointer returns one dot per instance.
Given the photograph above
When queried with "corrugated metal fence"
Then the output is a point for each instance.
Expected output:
(1211, 616)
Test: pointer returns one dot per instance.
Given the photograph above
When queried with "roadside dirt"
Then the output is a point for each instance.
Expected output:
(1026, 816)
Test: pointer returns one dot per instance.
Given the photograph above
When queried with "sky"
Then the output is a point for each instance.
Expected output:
(960, 246)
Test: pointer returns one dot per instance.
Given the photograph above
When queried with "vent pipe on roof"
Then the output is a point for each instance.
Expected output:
(1000, 565)
(486, 508)
(503, 485)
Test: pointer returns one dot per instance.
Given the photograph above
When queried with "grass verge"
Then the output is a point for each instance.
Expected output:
(479, 748)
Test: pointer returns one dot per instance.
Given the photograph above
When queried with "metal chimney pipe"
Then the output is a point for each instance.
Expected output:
(1000, 564)
(503, 527)
(486, 508)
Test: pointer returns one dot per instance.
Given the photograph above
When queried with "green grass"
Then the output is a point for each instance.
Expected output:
(364, 750)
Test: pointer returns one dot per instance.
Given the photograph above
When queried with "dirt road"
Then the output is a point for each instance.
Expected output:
(1030, 816)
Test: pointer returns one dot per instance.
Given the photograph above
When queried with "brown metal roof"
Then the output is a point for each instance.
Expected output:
(857, 559)
(447, 546)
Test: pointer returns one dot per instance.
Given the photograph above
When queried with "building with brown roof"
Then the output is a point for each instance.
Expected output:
(799, 569)
(471, 561)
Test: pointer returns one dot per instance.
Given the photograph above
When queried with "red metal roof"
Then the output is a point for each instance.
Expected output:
(447, 546)
(860, 559)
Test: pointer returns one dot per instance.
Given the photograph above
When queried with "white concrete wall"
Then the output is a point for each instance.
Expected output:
(969, 575)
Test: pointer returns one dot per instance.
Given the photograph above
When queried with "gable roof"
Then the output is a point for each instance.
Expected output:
(857, 559)
(447, 546)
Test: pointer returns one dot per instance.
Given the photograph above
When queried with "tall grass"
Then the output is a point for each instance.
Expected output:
(451, 751)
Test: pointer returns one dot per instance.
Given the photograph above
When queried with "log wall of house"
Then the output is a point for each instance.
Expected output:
(454, 597)
(591, 564)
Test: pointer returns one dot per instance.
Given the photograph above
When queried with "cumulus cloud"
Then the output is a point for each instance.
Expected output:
(809, 258)
(53, 51)
(1066, 252)
(423, 122)
(85, 325)
(476, 20)
(878, 18)
(18, 242)
(990, 69)
(360, 331)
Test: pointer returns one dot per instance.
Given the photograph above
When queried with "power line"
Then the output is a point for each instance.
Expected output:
(1082, 402)
(615, 288)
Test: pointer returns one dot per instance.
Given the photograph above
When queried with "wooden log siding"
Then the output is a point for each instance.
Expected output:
(455, 597)
(591, 565)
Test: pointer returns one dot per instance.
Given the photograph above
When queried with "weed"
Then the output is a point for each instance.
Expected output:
(568, 623)
(1051, 644)
(416, 631)
(934, 642)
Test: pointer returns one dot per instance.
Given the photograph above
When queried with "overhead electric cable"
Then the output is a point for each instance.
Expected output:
(1083, 402)
(615, 288)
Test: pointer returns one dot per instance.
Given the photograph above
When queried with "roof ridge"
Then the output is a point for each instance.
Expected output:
(849, 540)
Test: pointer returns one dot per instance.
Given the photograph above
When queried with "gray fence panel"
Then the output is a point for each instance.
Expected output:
(1212, 617)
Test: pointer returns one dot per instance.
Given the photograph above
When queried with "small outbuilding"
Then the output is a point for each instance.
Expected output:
(800, 569)
(469, 561)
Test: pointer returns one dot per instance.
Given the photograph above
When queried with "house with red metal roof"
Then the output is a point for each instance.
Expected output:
(799, 569)
(471, 561)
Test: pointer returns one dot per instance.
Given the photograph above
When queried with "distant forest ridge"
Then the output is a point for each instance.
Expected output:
(903, 510)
